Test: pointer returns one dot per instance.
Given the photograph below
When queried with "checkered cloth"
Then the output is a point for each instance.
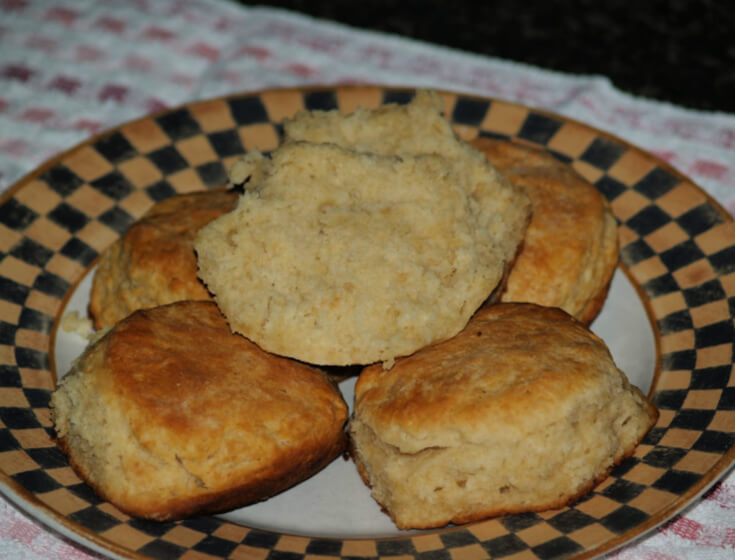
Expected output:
(69, 69)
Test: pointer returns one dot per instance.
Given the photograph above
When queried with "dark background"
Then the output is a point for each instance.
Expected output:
(681, 51)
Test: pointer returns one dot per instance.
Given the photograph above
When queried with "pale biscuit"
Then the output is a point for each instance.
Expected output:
(570, 251)
(171, 415)
(338, 257)
(524, 410)
(153, 263)
(417, 127)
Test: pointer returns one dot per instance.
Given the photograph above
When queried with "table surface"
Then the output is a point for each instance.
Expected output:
(680, 51)
(70, 69)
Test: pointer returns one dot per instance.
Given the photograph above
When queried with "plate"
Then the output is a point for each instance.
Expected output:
(668, 321)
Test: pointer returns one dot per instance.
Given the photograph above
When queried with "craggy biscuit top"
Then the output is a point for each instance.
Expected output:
(366, 237)
(334, 256)
(417, 127)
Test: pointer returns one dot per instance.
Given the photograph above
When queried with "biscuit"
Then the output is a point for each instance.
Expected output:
(171, 415)
(524, 410)
(417, 127)
(570, 252)
(338, 257)
(154, 262)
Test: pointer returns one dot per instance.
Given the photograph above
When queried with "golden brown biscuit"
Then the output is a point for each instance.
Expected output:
(154, 262)
(523, 410)
(338, 257)
(571, 247)
(171, 415)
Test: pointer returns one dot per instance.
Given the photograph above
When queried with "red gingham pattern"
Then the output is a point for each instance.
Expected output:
(72, 68)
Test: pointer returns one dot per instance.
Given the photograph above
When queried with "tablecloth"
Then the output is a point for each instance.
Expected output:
(72, 68)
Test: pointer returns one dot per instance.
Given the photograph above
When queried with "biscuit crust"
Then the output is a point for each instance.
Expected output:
(154, 262)
(523, 410)
(570, 251)
(171, 415)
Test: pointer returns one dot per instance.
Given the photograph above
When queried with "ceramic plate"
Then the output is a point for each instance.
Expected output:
(668, 321)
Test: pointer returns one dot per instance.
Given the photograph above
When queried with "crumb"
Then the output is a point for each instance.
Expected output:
(72, 322)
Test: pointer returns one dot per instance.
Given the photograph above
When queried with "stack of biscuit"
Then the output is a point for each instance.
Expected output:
(459, 278)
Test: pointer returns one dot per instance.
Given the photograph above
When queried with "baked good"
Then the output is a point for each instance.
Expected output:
(154, 262)
(417, 127)
(353, 257)
(524, 410)
(570, 252)
(171, 415)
